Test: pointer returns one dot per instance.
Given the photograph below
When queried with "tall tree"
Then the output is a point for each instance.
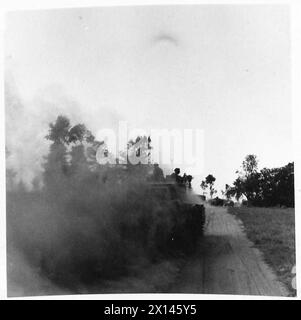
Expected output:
(204, 186)
(250, 165)
(59, 130)
(209, 183)
(77, 133)
(56, 164)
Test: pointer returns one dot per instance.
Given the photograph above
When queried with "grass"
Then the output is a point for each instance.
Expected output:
(272, 230)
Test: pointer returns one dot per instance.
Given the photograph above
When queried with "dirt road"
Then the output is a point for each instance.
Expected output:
(226, 262)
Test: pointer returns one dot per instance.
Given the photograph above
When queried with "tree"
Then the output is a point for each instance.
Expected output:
(250, 165)
(247, 182)
(209, 183)
(267, 187)
(226, 192)
(210, 179)
(237, 190)
(277, 186)
(59, 163)
(212, 191)
(62, 132)
(59, 130)
(204, 186)
(77, 133)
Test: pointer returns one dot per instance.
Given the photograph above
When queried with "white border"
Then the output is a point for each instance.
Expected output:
(296, 131)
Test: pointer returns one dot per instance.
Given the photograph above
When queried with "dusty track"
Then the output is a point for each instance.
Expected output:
(226, 262)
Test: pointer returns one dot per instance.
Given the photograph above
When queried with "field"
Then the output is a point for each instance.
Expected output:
(272, 230)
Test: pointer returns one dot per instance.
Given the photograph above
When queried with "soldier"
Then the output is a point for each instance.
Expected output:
(176, 175)
(189, 178)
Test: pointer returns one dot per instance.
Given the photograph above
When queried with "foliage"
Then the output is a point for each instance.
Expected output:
(59, 131)
(250, 164)
(209, 183)
(267, 187)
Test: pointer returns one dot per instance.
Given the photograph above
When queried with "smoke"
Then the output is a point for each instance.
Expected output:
(81, 231)
(27, 125)
(81, 228)
(86, 227)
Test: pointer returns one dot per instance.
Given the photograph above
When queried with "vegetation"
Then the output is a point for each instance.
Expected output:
(208, 183)
(272, 230)
(264, 188)
(90, 223)
(87, 225)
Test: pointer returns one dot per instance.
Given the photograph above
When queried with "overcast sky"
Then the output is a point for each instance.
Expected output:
(224, 69)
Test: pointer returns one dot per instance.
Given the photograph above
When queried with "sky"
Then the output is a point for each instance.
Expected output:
(224, 69)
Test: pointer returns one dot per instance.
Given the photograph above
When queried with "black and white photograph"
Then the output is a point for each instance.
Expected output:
(149, 150)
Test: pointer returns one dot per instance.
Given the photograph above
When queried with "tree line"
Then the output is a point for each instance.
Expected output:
(267, 187)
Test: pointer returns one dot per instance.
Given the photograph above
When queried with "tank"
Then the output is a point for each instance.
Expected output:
(189, 213)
